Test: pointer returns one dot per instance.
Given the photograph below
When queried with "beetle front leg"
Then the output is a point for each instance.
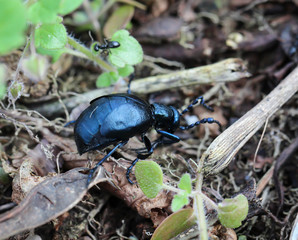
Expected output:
(168, 135)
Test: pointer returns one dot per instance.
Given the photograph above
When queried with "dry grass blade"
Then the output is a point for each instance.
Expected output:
(225, 146)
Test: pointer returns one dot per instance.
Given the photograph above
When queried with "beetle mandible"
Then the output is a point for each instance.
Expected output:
(114, 119)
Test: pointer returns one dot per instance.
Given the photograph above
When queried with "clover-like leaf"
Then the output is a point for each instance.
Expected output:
(106, 79)
(44, 11)
(126, 71)
(67, 6)
(185, 183)
(130, 51)
(51, 36)
(12, 25)
(55, 54)
(149, 177)
(232, 211)
(179, 201)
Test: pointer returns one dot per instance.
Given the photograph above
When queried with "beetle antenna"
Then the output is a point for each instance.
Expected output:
(130, 78)
(202, 121)
(202, 102)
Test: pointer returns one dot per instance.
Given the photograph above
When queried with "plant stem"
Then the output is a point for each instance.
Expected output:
(81, 48)
(173, 189)
(199, 203)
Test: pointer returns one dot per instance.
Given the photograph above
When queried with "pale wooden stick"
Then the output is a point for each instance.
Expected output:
(222, 150)
(228, 70)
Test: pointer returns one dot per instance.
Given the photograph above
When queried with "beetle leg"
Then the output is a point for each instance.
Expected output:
(129, 170)
(91, 172)
(149, 148)
(69, 123)
(171, 136)
(202, 102)
(202, 121)
(147, 143)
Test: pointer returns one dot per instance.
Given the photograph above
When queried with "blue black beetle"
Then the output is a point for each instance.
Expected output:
(113, 119)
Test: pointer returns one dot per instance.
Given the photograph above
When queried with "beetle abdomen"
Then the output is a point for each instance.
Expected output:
(111, 119)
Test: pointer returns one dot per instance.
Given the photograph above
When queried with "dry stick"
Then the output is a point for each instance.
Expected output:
(227, 70)
(225, 146)
(223, 149)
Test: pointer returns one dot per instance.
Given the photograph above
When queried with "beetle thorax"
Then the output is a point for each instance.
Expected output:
(166, 118)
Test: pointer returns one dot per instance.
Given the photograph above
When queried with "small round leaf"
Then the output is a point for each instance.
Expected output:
(185, 183)
(67, 6)
(130, 51)
(106, 79)
(179, 201)
(232, 211)
(126, 71)
(149, 177)
(43, 11)
(51, 36)
(12, 25)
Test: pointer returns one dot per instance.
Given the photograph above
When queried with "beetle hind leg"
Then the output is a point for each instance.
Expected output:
(91, 172)
(149, 147)
(129, 170)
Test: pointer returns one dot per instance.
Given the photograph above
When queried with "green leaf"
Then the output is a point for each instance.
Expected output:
(179, 201)
(16, 90)
(44, 11)
(149, 177)
(35, 67)
(2, 81)
(185, 183)
(12, 25)
(118, 20)
(130, 51)
(4, 177)
(79, 17)
(106, 79)
(55, 54)
(51, 36)
(232, 211)
(126, 71)
(242, 237)
(175, 224)
(67, 6)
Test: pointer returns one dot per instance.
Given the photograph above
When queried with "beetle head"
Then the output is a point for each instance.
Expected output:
(166, 118)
